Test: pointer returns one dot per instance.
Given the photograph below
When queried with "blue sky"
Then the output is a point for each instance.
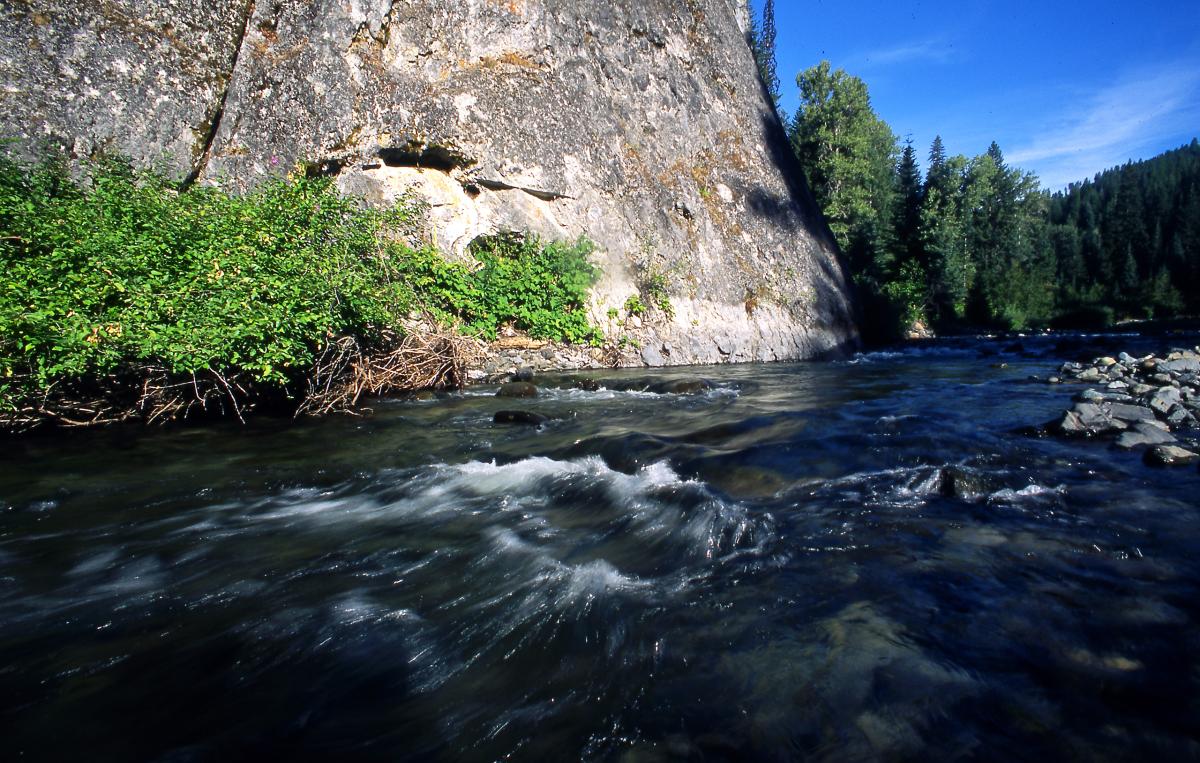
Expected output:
(1066, 88)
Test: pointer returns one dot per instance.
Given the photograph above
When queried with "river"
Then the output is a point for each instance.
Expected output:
(851, 560)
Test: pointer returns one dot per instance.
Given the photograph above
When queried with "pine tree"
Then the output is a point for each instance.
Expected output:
(910, 190)
(937, 163)
(762, 43)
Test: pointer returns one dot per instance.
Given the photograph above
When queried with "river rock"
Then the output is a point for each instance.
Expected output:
(517, 389)
(523, 374)
(1180, 365)
(520, 417)
(1163, 399)
(1071, 426)
(1170, 455)
(1179, 417)
(652, 355)
(1089, 375)
(1144, 433)
(965, 484)
(681, 387)
(1097, 419)
(1130, 413)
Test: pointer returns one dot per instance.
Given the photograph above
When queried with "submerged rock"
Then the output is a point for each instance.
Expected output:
(1170, 455)
(966, 484)
(682, 387)
(518, 389)
(520, 417)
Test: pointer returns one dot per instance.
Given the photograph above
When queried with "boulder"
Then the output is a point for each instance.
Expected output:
(1163, 399)
(1096, 419)
(1144, 433)
(1130, 413)
(1170, 455)
(1071, 425)
(1181, 365)
(527, 418)
(1179, 417)
(517, 389)
(682, 387)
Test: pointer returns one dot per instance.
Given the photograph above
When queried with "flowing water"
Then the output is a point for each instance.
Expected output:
(853, 560)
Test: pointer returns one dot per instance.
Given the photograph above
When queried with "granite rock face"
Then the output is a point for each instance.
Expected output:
(641, 125)
(145, 79)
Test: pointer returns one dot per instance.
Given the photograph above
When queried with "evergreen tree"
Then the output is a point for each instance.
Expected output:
(849, 157)
(910, 191)
(979, 240)
(762, 42)
(847, 153)
(937, 163)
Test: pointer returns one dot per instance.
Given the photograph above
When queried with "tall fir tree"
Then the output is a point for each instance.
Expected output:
(910, 190)
(762, 41)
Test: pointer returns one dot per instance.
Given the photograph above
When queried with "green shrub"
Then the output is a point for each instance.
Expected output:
(634, 305)
(123, 269)
(654, 284)
(540, 288)
(102, 279)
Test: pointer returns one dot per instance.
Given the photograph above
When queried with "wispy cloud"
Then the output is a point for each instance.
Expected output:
(1118, 122)
(928, 51)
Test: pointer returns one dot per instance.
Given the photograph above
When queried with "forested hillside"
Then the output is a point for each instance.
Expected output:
(1130, 237)
(977, 242)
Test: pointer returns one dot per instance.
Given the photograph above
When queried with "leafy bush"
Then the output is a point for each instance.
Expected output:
(906, 292)
(654, 284)
(102, 279)
(540, 288)
(634, 305)
(123, 269)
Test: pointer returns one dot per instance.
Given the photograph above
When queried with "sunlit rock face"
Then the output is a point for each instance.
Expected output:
(641, 125)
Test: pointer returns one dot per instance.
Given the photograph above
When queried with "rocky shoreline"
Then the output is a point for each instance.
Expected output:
(1149, 402)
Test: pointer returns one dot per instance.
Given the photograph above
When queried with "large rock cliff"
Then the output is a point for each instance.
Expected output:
(638, 123)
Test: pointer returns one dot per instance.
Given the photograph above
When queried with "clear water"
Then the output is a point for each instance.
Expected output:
(776, 569)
